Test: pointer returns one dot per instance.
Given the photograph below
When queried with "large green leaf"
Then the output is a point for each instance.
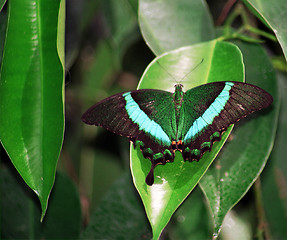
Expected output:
(174, 181)
(78, 18)
(274, 13)
(169, 24)
(120, 215)
(191, 220)
(106, 62)
(121, 23)
(31, 91)
(121, 19)
(245, 155)
(275, 178)
(20, 211)
(3, 24)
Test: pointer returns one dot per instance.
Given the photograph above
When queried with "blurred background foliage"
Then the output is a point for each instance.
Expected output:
(93, 194)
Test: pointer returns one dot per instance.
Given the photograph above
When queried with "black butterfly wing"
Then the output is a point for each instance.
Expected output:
(145, 117)
(210, 109)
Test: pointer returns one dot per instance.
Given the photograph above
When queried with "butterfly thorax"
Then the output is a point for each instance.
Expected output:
(177, 98)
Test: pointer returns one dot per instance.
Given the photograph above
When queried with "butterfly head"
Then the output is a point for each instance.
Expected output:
(178, 87)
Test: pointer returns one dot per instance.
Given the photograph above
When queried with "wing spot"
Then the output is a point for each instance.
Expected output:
(205, 145)
(147, 153)
(157, 156)
(139, 143)
(167, 153)
(215, 136)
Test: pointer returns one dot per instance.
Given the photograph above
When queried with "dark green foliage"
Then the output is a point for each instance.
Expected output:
(109, 46)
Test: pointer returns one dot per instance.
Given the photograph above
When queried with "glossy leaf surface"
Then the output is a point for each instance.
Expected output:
(31, 91)
(3, 23)
(249, 147)
(174, 181)
(166, 25)
(274, 13)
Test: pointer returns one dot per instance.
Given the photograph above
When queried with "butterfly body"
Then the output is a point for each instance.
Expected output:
(161, 122)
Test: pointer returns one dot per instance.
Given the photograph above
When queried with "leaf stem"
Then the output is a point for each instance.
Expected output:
(279, 63)
(225, 11)
(240, 33)
(263, 232)
(261, 33)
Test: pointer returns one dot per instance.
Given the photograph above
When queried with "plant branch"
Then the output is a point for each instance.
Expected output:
(240, 33)
(263, 231)
(225, 12)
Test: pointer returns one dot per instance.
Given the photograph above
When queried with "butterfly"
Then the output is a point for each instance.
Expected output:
(161, 122)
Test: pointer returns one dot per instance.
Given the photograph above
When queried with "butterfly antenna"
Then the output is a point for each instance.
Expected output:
(184, 75)
(166, 71)
(192, 69)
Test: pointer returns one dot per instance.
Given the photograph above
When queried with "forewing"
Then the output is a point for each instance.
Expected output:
(145, 117)
(210, 109)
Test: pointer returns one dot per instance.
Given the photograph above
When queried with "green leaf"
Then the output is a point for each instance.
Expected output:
(191, 220)
(20, 211)
(169, 24)
(106, 62)
(121, 19)
(275, 178)
(120, 215)
(174, 181)
(64, 210)
(3, 24)
(31, 91)
(98, 167)
(121, 22)
(2, 2)
(79, 15)
(245, 155)
(237, 226)
(275, 15)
